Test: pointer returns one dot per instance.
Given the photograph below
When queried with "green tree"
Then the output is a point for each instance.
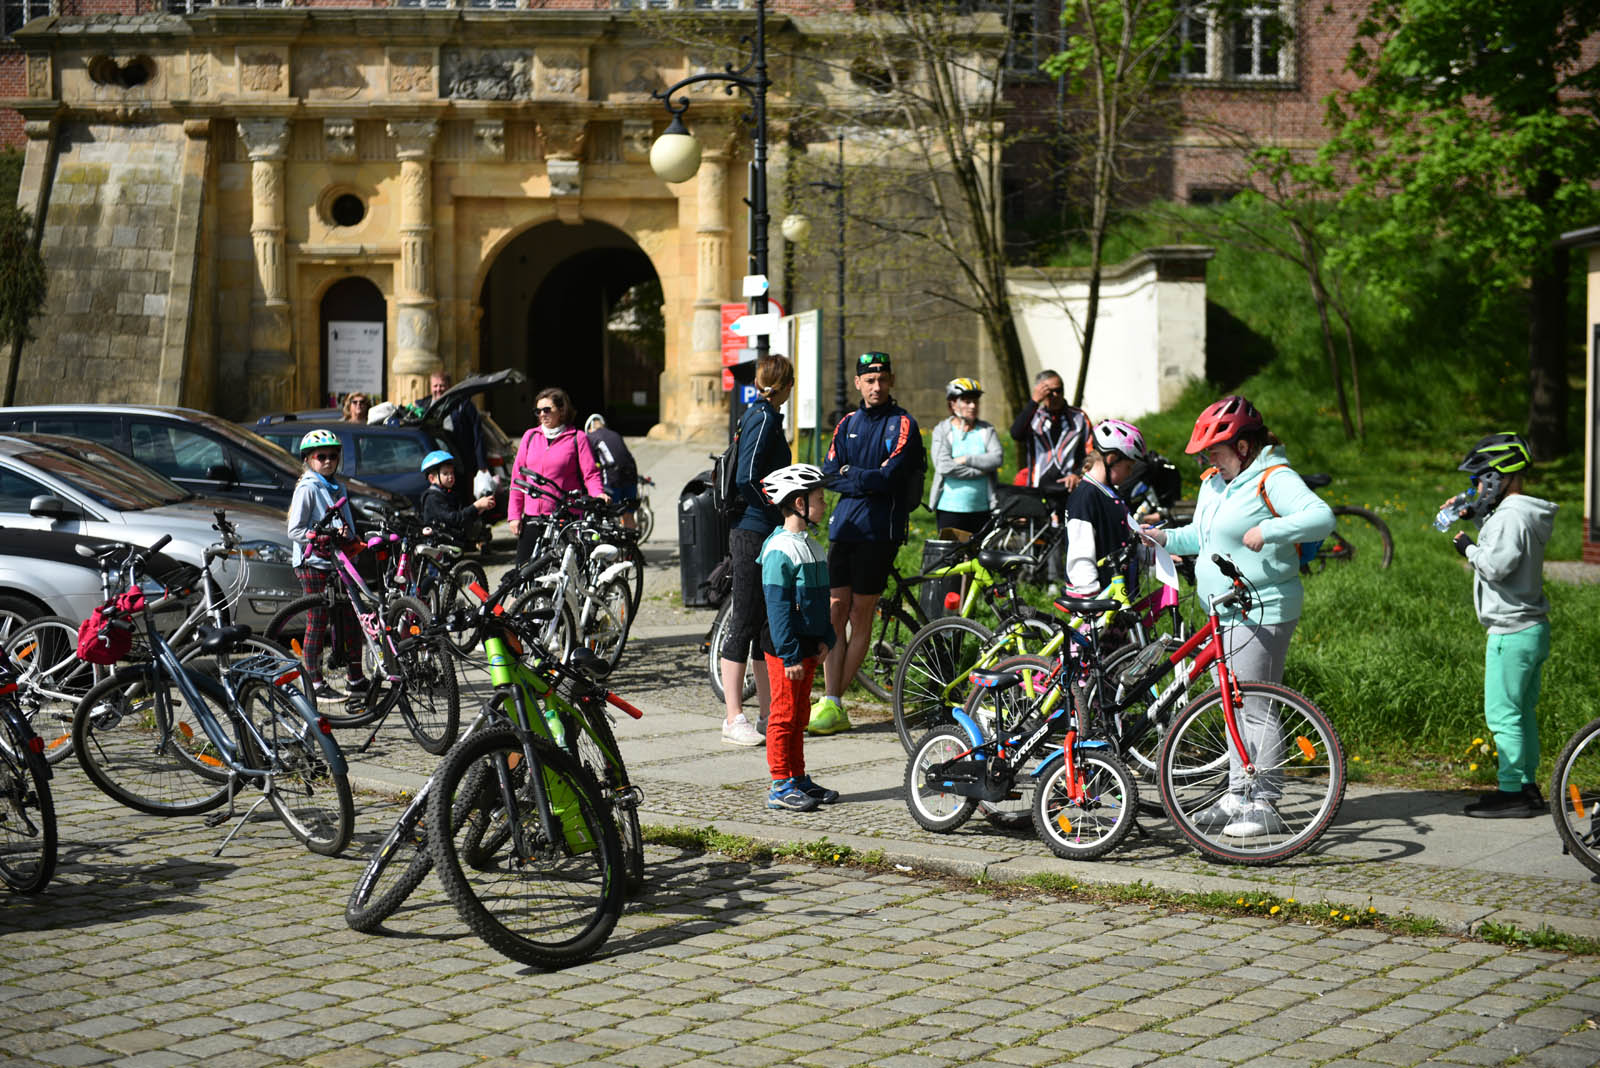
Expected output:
(1480, 121)
(22, 284)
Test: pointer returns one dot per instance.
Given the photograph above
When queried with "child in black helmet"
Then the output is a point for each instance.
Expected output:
(1508, 593)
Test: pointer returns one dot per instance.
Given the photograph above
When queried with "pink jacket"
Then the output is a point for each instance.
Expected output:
(566, 461)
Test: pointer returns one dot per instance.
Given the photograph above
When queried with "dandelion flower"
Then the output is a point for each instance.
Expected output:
(1477, 741)
(1291, 901)
(1472, 767)
(1371, 911)
(1273, 911)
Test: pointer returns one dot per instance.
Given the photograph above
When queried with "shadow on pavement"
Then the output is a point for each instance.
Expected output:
(89, 884)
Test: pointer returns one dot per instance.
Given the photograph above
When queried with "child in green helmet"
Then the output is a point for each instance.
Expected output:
(1508, 592)
(314, 563)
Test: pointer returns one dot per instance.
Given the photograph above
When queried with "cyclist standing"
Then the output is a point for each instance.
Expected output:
(314, 494)
(1097, 516)
(619, 473)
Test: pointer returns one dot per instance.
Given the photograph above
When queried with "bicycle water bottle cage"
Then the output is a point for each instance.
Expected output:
(994, 680)
(1001, 562)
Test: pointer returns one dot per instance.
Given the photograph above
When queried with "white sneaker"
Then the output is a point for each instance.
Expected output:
(1226, 809)
(1258, 819)
(739, 732)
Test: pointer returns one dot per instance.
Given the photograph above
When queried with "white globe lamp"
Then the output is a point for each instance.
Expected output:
(675, 156)
(796, 228)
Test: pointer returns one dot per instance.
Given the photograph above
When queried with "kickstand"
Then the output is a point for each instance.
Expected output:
(362, 748)
(1144, 832)
(217, 819)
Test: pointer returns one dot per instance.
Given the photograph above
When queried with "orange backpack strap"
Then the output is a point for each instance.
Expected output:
(1261, 488)
(1207, 473)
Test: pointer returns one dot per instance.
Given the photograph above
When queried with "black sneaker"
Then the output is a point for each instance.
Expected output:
(1501, 805)
(356, 687)
(321, 691)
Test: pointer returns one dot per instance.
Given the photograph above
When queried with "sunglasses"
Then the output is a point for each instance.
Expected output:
(546, 409)
(325, 457)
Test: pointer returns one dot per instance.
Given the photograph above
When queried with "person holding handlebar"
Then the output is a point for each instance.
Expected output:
(555, 450)
(313, 533)
(1254, 510)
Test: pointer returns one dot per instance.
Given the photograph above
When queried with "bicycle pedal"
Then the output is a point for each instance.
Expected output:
(217, 819)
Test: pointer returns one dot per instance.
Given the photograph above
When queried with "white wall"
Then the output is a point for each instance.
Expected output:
(1150, 337)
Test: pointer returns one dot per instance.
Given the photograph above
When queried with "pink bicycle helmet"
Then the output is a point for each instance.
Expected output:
(1222, 422)
(1114, 435)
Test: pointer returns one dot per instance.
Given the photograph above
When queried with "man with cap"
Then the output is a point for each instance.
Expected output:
(875, 463)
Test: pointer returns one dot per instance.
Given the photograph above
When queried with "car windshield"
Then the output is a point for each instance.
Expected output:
(103, 486)
(271, 453)
(134, 474)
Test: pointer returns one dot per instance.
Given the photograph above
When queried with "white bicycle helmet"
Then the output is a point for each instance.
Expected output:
(1114, 435)
(960, 387)
(786, 482)
(593, 421)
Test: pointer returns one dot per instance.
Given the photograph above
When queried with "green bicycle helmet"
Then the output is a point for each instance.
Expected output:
(319, 439)
(1491, 462)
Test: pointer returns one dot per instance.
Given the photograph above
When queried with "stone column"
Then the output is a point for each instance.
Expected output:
(270, 366)
(706, 413)
(416, 353)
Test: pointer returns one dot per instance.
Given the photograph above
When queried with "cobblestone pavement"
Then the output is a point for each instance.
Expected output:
(148, 951)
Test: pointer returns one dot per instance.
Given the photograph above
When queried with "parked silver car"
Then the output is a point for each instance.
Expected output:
(79, 487)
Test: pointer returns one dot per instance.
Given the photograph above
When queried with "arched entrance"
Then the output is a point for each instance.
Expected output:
(577, 307)
(354, 348)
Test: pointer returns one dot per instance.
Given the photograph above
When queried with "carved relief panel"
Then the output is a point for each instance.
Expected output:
(38, 76)
(262, 72)
(336, 73)
(411, 72)
(486, 74)
(561, 73)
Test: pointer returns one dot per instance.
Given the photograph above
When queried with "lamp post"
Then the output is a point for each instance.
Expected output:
(797, 228)
(675, 156)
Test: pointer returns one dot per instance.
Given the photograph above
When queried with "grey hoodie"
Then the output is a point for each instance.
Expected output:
(1508, 564)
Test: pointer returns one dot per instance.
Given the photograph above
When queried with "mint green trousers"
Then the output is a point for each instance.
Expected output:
(1512, 664)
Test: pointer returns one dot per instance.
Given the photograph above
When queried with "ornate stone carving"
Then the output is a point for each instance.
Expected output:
(637, 74)
(489, 139)
(339, 140)
(199, 75)
(413, 138)
(411, 71)
(38, 76)
(330, 73)
(487, 74)
(261, 72)
(637, 136)
(560, 71)
(566, 177)
(265, 138)
(266, 183)
(563, 138)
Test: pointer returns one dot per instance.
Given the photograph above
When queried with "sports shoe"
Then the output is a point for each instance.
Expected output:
(1221, 813)
(786, 793)
(1502, 805)
(739, 732)
(828, 717)
(1258, 818)
(321, 691)
(823, 795)
(356, 687)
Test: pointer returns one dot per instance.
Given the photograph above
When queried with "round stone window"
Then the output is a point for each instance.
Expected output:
(347, 209)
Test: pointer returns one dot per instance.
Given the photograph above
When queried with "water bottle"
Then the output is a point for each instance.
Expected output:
(1452, 510)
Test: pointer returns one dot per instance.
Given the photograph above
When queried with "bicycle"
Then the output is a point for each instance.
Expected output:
(644, 515)
(142, 749)
(1202, 755)
(27, 809)
(408, 672)
(1358, 533)
(1575, 795)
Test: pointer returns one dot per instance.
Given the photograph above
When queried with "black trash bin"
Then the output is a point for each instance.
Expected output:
(932, 592)
(702, 539)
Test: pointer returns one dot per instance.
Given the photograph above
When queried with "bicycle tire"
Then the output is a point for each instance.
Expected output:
(612, 775)
(612, 615)
(892, 630)
(995, 710)
(719, 630)
(935, 810)
(935, 663)
(1353, 540)
(1094, 825)
(393, 873)
(287, 629)
(427, 692)
(456, 595)
(115, 736)
(311, 798)
(51, 680)
(1310, 775)
(27, 809)
(494, 901)
(632, 553)
(645, 516)
(1575, 795)
(560, 634)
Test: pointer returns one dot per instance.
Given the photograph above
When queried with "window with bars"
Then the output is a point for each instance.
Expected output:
(15, 14)
(189, 7)
(1252, 46)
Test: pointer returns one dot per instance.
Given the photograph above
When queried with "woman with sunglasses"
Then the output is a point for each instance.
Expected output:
(557, 451)
(356, 407)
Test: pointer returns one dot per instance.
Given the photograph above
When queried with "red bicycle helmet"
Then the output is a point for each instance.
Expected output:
(1222, 422)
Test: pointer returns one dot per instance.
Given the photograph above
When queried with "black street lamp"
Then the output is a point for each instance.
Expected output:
(675, 156)
(796, 228)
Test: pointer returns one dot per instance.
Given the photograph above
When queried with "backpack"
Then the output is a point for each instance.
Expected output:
(725, 495)
(912, 490)
(1306, 549)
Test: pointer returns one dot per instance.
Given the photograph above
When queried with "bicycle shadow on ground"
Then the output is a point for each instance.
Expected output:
(91, 886)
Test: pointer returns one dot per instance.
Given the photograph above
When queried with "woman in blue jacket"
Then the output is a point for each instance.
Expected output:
(762, 450)
(1253, 510)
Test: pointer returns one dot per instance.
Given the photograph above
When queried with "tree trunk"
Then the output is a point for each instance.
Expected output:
(1548, 391)
(1309, 255)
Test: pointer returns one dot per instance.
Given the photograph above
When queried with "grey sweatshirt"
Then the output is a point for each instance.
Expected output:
(1508, 564)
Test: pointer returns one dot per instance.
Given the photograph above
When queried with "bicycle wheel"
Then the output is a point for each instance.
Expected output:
(645, 516)
(542, 898)
(456, 596)
(288, 628)
(892, 630)
(559, 634)
(1299, 775)
(932, 674)
(719, 631)
(610, 615)
(1030, 537)
(1002, 711)
(125, 738)
(311, 798)
(426, 692)
(934, 809)
(598, 751)
(27, 811)
(631, 552)
(1575, 794)
(51, 680)
(395, 870)
(1358, 533)
(1101, 817)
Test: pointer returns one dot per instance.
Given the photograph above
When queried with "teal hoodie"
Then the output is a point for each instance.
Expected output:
(1224, 511)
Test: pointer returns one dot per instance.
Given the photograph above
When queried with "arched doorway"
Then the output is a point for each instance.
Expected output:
(577, 307)
(354, 346)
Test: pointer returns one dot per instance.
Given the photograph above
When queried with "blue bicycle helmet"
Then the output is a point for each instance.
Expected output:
(435, 458)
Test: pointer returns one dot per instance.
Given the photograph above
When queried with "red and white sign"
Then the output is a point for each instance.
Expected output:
(736, 349)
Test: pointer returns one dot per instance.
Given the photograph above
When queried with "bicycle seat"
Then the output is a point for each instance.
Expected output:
(995, 560)
(595, 667)
(1316, 481)
(1086, 606)
(994, 680)
(222, 639)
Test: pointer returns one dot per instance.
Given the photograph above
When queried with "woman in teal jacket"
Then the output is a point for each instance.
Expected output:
(1253, 510)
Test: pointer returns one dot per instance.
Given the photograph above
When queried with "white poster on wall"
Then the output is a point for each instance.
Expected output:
(355, 358)
(802, 336)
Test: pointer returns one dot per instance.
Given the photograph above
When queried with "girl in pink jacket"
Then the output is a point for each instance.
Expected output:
(555, 450)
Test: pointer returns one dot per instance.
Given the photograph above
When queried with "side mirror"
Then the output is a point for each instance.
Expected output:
(221, 473)
(47, 506)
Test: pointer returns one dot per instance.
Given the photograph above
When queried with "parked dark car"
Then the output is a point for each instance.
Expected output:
(207, 456)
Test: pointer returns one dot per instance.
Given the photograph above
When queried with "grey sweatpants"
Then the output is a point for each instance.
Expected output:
(1256, 653)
